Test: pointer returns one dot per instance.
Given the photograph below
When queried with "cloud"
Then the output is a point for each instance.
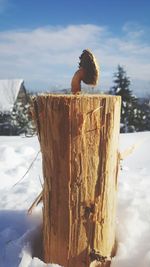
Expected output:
(49, 55)
(133, 30)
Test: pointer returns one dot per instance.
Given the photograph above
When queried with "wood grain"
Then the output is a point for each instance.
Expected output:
(79, 143)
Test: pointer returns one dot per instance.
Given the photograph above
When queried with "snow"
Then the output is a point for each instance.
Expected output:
(133, 216)
(20, 232)
(9, 90)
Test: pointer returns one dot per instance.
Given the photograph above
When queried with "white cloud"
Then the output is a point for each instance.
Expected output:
(133, 30)
(49, 55)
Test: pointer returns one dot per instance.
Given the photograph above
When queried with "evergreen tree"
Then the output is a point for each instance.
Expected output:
(21, 119)
(18, 121)
(122, 87)
(142, 115)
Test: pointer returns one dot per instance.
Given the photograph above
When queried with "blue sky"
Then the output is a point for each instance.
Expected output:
(41, 40)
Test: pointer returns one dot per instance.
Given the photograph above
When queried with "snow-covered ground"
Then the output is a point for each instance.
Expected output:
(19, 232)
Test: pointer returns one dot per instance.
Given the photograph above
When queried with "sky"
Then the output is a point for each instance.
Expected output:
(41, 41)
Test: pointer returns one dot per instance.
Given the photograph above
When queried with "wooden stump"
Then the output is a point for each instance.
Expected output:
(78, 135)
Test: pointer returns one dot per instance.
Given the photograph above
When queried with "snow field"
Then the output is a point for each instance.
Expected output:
(19, 232)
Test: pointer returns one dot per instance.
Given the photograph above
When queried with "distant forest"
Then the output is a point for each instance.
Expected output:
(135, 112)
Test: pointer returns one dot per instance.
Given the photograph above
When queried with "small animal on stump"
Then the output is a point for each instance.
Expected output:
(88, 72)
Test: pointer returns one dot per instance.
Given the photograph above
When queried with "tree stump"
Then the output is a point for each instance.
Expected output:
(78, 136)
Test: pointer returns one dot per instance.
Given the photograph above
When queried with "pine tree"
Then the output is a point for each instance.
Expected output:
(122, 87)
(142, 117)
(21, 120)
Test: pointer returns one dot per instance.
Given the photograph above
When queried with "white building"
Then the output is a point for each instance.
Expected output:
(10, 91)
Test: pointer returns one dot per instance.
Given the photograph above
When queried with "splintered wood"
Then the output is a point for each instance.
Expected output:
(79, 143)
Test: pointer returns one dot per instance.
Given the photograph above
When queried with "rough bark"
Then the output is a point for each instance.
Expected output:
(79, 143)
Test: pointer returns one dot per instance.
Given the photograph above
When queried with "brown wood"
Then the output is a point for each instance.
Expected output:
(78, 135)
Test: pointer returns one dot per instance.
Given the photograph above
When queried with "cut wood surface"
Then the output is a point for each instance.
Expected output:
(78, 135)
